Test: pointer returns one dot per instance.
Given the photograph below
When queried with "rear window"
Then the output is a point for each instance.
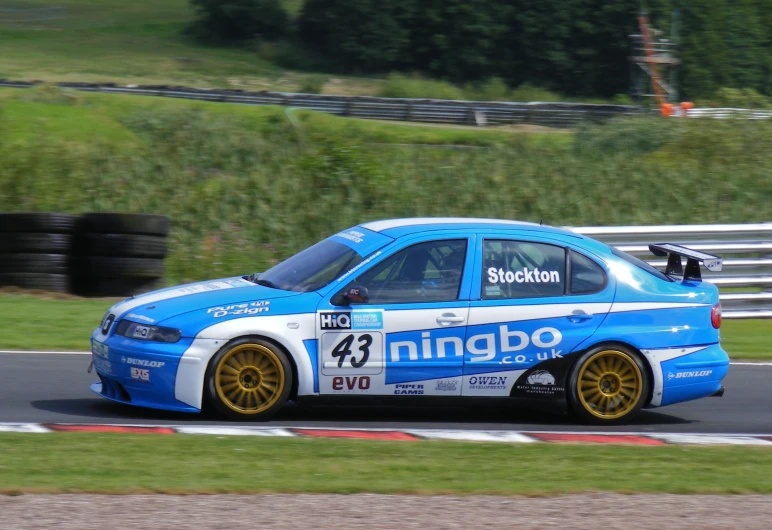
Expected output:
(640, 264)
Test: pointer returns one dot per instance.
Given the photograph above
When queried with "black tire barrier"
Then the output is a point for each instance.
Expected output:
(45, 223)
(35, 243)
(129, 245)
(121, 267)
(123, 223)
(58, 283)
(112, 287)
(35, 263)
(95, 254)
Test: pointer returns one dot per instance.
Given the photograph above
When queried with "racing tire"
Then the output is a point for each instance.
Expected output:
(35, 243)
(114, 287)
(34, 263)
(124, 223)
(110, 267)
(249, 379)
(126, 245)
(58, 283)
(47, 223)
(608, 385)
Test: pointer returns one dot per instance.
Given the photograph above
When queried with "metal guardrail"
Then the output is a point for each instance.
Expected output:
(725, 113)
(745, 283)
(415, 110)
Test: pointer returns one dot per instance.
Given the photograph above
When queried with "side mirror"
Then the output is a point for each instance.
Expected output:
(356, 294)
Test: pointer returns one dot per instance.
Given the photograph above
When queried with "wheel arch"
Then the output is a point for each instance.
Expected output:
(291, 358)
(610, 344)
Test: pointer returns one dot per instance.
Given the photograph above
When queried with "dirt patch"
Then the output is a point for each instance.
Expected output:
(376, 512)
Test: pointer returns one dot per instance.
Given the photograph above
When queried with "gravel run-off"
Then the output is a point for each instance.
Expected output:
(376, 512)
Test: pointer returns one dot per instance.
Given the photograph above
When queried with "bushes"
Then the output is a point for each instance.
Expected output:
(239, 20)
(243, 194)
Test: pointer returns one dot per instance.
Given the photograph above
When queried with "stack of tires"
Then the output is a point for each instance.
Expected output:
(118, 254)
(35, 250)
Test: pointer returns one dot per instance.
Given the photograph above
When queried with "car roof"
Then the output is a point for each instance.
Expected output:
(401, 227)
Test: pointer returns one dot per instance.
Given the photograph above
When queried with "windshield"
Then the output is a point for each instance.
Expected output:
(312, 268)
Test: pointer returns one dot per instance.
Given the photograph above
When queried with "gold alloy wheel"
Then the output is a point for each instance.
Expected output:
(249, 379)
(610, 384)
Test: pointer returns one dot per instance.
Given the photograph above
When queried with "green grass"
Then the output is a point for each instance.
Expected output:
(747, 339)
(132, 42)
(247, 186)
(107, 463)
(144, 42)
(34, 323)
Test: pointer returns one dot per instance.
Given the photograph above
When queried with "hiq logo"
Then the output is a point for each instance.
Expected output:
(351, 320)
(335, 320)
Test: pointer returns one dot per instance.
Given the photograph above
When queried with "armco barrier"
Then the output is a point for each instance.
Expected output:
(415, 110)
(746, 249)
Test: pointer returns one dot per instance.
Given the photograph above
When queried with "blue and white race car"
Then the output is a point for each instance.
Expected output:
(426, 307)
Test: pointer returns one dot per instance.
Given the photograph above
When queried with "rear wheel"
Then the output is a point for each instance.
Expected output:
(249, 379)
(608, 385)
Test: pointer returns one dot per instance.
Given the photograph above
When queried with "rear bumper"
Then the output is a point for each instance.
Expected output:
(698, 374)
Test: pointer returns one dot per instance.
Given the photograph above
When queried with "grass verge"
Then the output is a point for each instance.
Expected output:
(208, 464)
(33, 323)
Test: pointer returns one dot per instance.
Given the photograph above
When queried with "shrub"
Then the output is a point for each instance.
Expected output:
(239, 20)
(312, 84)
(415, 86)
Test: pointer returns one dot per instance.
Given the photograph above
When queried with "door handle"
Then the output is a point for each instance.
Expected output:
(449, 318)
(578, 315)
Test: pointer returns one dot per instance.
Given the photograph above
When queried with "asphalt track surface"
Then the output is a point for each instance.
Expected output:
(54, 388)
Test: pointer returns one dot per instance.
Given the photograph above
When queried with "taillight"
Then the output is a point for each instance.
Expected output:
(715, 316)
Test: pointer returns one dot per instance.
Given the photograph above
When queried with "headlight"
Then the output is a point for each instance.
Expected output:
(132, 330)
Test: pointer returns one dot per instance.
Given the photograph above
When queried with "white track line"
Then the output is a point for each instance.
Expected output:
(14, 352)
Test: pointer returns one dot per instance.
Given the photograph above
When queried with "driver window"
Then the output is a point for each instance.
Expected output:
(425, 272)
(521, 269)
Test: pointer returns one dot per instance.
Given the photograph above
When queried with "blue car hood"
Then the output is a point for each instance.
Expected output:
(216, 298)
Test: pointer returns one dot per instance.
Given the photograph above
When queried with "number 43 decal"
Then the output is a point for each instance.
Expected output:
(352, 353)
(343, 350)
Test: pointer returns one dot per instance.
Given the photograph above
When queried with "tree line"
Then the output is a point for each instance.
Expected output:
(576, 47)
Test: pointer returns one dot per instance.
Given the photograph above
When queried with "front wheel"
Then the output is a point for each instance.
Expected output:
(608, 385)
(249, 379)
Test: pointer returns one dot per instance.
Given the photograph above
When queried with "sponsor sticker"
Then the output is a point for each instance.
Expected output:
(143, 318)
(103, 365)
(408, 389)
(351, 320)
(245, 309)
(522, 276)
(99, 349)
(540, 382)
(141, 374)
(444, 385)
(143, 362)
(685, 375)
(487, 382)
(352, 235)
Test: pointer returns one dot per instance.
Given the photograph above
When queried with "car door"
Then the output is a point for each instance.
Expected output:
(407, 336)
(534, 301)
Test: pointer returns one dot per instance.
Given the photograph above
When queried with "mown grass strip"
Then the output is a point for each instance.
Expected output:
(33, 323)
(109, 463)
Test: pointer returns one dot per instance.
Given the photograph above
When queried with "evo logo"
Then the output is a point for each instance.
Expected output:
(684, 375)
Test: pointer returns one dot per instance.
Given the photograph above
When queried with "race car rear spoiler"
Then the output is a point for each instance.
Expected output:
(674, 254)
